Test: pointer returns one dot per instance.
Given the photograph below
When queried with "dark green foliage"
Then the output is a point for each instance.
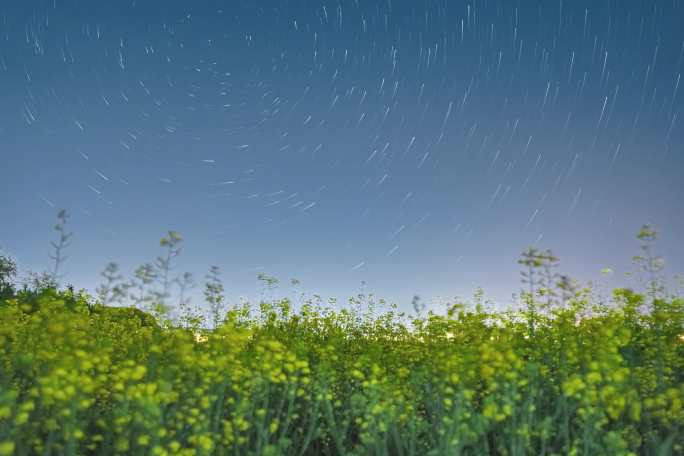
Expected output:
(124, 314)
(8, 274)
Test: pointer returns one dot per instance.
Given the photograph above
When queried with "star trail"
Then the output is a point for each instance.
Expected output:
(398, 147)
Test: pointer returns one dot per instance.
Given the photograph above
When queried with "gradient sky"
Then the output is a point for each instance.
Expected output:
(418, 146)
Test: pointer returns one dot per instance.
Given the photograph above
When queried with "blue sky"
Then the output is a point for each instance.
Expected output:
(416, 146)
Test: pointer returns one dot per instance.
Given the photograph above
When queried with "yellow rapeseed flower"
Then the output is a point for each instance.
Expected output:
(7, 448)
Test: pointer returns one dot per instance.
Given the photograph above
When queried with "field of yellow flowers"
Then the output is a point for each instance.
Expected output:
(568, 373)
(79, 378)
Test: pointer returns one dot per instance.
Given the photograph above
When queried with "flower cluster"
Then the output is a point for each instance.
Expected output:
(80, 379)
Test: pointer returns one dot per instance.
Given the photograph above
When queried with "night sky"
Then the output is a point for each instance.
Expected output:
(416, 146)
